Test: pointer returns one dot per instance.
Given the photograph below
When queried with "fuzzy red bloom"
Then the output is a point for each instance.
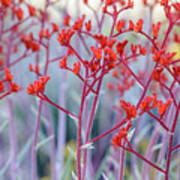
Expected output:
(8, 76)
(38, 86)
(66, 20)
(63, 62)
(78, 24)
(157, 73)
(123, 132)
(120, 47)
(138, 26)
(156, 29)
(65, 36)
(6, 2)
(163, 107)
(55, 27)
(177, 7)
(97, 52)
(120, 25)
(88, 25)
(76, 67)
(131, 25)
(129, 109)
(19, 13)
(32, 10)
(2, 88)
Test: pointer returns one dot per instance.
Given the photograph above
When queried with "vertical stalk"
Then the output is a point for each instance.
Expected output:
(13, 141)
(61, 126)
(79, 129)
(34, 151)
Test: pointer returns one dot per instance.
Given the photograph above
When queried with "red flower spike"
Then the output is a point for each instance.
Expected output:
(157, 73)
(164, 2)
(14, 87)
(31, 67)
(163, 107)
(115, 73)
(6, 2)
(41, 34)
(78, 23)
(38, 86)
(129, 109)
(120, 47)
(55, 27)
(85, 1)
(176, 70)
(76, 67)
(156, 29)
(8, 76)
(19, 13)
(142, 50)
(88, 25)
(120, 25)
(37, 68)
(109, 2)
(131, 25)
(47, 33)
(177, 7)
(63, 62)
(66, 20)
(130, 3)
(97, 52)
(138, 26)
(134, 48)
(2, 88)
(146, 104)
(123, 132)
(32, 10)
(65, 36)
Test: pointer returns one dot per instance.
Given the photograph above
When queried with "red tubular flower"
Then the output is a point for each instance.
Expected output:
(157, 73)
(19, 13)
(129, 109)
(163, 107)
(78, 24)
(131, 25)
(38, 86)
(66, 20)
(123, 132)
(97, 52)
(55, 27)
(120, 47)
(120, 25)
(76, 67)
(14, 87)
(63, 62)
(6, 2)
(176, 70)
(134, 48)
(65, 36)
(156, 29)
(138, 26)
(88, 25)
(8, 76)
(2, 88)
(32, 10)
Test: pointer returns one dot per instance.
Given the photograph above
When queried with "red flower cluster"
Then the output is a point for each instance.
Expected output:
(129, 109)
(30, 43)
(151, 102)
(123, 132)
(8, 79)
(38, 86)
